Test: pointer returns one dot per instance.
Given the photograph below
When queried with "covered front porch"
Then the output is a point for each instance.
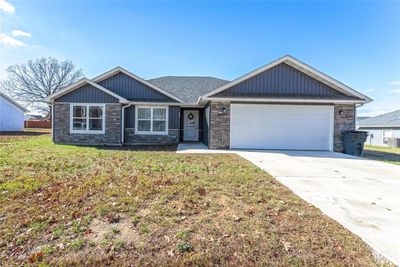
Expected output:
(175, 124)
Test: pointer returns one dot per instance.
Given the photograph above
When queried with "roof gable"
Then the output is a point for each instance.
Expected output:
(303, 68)
(87, 93)
(132, 87)
(133, 90)
(13, 102)
(78, 85)
(282, 80)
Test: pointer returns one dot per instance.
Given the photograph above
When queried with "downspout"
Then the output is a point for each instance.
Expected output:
(52, 120)
(123, 123)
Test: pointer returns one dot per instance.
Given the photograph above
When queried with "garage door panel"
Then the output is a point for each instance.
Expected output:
(281, 127)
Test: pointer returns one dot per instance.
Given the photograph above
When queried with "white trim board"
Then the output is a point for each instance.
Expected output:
(297, 64)
(133, 76)
(78, 85)
(280, 100)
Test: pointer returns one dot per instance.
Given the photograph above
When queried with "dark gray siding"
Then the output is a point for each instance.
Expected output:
(130, 117)
(205, 123)
(87, 94)
(132, 89)
(282, 81)
(173, 117)
(173, 121)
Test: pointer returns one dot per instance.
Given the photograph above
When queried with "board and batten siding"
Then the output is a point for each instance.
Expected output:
(132, 89)
(87, 94)
(282, 81)
(173, 117)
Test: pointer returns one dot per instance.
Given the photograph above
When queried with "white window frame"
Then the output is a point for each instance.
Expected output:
(151, 132)
(87, 131)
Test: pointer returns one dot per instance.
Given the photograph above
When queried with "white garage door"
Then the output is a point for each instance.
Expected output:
(301, 127)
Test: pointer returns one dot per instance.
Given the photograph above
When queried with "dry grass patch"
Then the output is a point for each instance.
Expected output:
(68, 205)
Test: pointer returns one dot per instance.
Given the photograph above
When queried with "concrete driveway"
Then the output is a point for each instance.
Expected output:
(362, 195)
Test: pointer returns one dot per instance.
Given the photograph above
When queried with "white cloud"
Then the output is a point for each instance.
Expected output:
(394, 83)
(17, 33)
(6, 7)
(395, 91)
(370, 90)
(8, 40)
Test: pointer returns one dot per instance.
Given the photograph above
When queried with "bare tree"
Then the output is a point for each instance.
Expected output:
(31, 82)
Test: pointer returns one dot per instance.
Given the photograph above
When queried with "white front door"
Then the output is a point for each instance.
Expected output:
(190, 125)
(301, 127)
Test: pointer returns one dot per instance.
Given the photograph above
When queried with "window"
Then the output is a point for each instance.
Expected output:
(151, 120)
(387, 134)
(87, 118)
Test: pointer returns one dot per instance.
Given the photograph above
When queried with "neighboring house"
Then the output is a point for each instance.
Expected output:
(285, 104)
(381, 128)
(11, 114)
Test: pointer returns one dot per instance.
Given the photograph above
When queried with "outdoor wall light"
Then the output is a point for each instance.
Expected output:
(341, 112)
(223, 110)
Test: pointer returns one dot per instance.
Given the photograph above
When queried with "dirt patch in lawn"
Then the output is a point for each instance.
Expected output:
(73, 206)
(122, 230)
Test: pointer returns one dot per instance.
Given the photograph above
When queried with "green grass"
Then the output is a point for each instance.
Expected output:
(70, 205)
(386, 154)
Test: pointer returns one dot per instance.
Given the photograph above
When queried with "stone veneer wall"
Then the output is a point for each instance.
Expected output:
(112, 135)
(219, 130)
(146, 139)
(342, 122)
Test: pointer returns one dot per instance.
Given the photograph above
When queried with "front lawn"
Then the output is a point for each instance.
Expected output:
(387, 154)
(73, 205)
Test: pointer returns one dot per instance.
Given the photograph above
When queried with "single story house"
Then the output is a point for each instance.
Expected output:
(381, 128)
(11, 114)
(285, 104)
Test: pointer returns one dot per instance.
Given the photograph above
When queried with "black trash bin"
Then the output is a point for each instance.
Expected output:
(353, 142)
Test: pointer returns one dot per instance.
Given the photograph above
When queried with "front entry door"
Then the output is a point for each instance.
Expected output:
(191, 125)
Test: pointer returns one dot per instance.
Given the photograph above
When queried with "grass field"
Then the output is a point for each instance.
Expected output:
(387, 154)
(69, 205)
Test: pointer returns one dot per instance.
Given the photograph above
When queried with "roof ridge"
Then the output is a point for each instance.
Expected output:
(182, 76)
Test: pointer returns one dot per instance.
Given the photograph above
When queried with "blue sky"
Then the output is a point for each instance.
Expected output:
(357, 42)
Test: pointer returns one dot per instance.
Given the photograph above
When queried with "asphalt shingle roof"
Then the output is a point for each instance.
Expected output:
(387, 119)
(187, 88)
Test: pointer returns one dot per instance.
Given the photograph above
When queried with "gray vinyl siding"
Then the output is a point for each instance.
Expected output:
(173, 118)
(282, 81)
(205, 123)
(87, 94)
(133, 90)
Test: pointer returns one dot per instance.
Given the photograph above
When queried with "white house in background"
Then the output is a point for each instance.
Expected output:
(11, 114)
(381, 128)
